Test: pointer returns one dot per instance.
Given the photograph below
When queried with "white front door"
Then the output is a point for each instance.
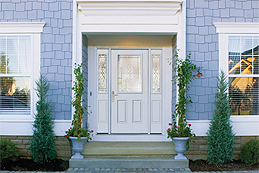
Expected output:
(129, 91)
(130, 88)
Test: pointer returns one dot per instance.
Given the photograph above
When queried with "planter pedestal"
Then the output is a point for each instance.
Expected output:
(77, 147)
(180, 147)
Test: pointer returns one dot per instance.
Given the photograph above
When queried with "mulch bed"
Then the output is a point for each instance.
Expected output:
(29, 165)
(236, 165)
(63, 165)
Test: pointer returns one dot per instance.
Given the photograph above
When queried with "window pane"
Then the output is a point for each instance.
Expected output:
(15, 95)
(12, 64)
(102, 73)
(234, 45)
(234, 64)
(3, 63)
(3, 44)
(24, 54)
(256, 45)
(246, 66)
(155, 73)
(25, 45)
(243, 95)
(129, 73)
(246, 45)
(12, 45)
(256, 64)
(16, 60)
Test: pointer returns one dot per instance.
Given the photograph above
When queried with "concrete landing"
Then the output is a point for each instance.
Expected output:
(128, 149)
(128, 162)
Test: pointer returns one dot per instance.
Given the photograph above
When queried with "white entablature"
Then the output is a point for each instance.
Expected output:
(130, 16)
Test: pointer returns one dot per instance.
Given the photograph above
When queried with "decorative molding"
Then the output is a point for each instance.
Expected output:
(236, 28)
(21, 27)
(129, 8)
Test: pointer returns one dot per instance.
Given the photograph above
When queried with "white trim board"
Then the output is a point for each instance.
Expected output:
(24, 127)
(236, 28)
(242, 126)
(21, 27)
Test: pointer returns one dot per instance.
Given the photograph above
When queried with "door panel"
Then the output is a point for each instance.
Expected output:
(129, 85)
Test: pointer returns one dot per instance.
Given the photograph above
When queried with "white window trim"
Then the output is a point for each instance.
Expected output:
(23, 123)
(246, 125)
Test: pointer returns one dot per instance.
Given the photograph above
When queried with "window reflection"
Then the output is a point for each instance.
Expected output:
(243, 95)
(243, 60)
(15, 54)
(15, 95)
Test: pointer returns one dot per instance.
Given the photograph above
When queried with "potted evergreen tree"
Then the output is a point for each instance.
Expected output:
(77, 134)
(180, 131)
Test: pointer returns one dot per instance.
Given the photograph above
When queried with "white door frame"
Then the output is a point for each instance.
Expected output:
(92, 99)
(172, 24)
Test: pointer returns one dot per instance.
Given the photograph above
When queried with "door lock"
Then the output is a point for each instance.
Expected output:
(113, 95)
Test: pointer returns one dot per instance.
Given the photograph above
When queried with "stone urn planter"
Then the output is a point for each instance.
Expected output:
(180, 147)
(78, 147)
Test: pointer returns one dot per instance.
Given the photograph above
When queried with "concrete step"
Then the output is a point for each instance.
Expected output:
(128, 162)
(128, 149)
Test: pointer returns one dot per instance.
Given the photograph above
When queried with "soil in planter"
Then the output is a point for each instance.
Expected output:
(30, 165)
(236, 165)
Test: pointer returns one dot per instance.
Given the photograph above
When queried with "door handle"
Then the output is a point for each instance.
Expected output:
(113, 95)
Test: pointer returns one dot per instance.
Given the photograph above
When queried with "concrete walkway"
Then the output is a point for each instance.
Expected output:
(153, 170)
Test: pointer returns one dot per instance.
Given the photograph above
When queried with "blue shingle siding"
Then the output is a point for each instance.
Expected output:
(56, 44)
(202, 41)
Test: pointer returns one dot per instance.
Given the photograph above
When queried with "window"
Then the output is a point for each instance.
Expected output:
(19, 67)
(239, 58)
(243, 59)
(15, 74)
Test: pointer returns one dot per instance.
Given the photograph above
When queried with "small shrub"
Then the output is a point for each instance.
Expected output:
(8, 150)
(250, 152)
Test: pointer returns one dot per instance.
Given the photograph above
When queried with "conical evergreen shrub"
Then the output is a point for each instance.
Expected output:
(42, 144)
(220, 138)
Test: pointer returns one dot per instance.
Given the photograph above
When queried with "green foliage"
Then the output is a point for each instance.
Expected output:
(8, 150)
(250, 152)
(186, 71)
(220, 138)
(78, 88)
(82, 132)
(42, 144)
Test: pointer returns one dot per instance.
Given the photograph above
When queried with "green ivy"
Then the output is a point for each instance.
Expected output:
(186, 71)
(77, 130)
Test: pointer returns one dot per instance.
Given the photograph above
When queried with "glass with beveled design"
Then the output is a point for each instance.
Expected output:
(129, 73)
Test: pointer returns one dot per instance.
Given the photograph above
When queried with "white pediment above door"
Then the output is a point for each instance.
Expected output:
(154, 15)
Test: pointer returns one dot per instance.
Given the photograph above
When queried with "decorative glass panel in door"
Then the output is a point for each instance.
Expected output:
(129, 73)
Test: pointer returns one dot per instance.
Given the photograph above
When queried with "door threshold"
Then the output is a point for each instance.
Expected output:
(131, 137)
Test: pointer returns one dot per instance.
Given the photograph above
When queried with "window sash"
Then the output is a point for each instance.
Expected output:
(15, 83)
(243, 74)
